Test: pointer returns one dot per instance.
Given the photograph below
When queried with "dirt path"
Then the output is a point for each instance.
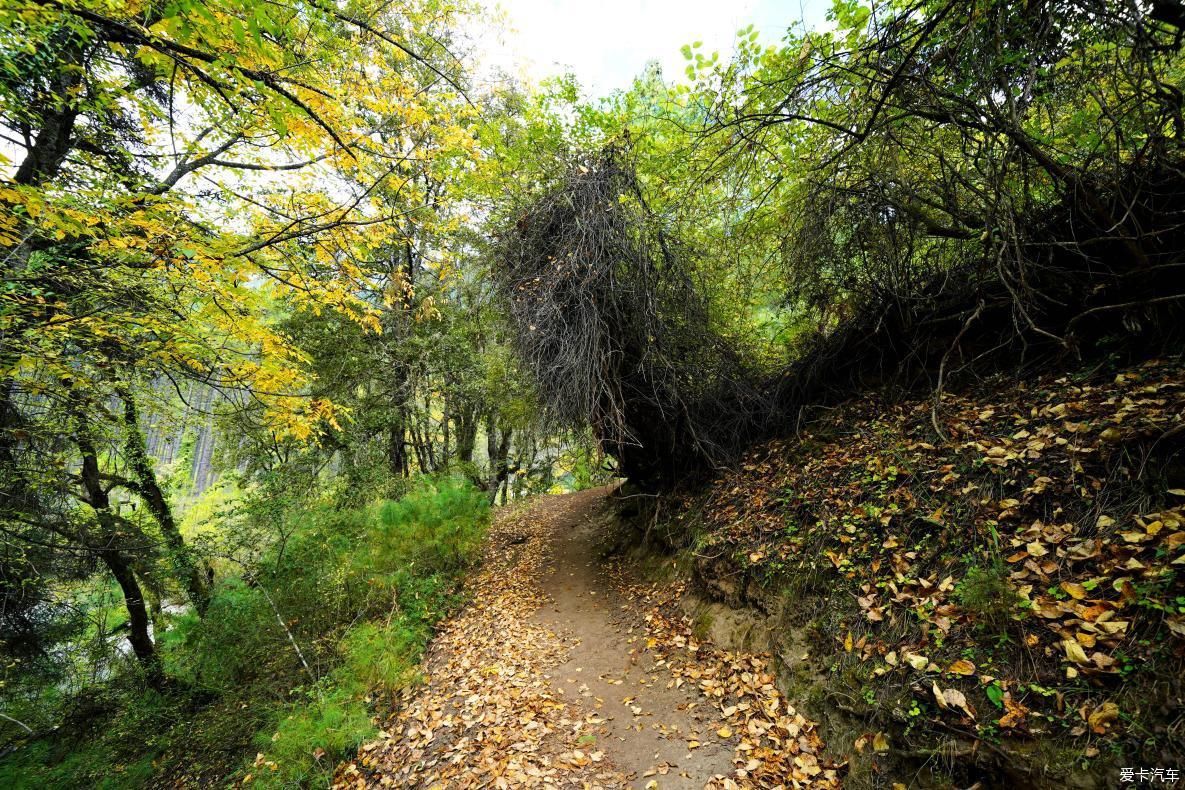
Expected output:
(556, 676)
(648, 722)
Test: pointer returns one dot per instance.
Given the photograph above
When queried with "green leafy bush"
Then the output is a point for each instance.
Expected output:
(358, 588)
(229, 646)
(313, 736)
(436, 528)
(412, 554)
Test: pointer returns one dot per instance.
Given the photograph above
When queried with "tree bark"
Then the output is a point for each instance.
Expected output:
(148, 488)
(133, 598)
(466, 420)
(498, 449)
(397, 447)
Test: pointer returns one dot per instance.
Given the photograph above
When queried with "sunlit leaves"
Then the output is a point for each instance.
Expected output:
(278, 150)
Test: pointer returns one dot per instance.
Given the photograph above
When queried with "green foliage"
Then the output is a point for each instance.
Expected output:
(986, 593)
(359, 589)
(309, 740)
(415, 550)
(113, 736)
(382, 655)
(435, 528)
(228, 646)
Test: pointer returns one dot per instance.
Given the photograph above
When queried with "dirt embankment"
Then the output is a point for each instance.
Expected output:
(1004, 607)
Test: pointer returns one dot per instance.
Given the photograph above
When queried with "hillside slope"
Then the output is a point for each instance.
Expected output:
(1007, 603)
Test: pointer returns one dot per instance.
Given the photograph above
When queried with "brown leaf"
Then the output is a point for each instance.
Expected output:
(1014, 713)
(956, 699)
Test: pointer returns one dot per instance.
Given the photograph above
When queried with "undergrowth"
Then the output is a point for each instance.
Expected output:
(273, 683)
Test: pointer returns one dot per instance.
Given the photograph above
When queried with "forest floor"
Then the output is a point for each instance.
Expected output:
(564, 670)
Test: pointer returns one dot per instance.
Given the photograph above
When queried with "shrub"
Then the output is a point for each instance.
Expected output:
(229, 646)
(437, 528)
(382, 655)
(309, 742)
(986, 593)
(360, 588)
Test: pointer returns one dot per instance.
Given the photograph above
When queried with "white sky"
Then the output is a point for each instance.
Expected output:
(606, 43)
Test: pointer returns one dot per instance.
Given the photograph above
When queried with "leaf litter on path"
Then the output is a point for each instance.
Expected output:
(492, 711)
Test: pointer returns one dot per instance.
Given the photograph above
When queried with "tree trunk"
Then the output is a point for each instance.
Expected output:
(112, 557)
(16, 494)
(397, 448)
(466, 433)
(133, 599)
(148, 488)
(498, 449)
(444, 430)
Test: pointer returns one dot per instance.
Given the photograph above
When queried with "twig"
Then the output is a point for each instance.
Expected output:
(942, 372)
(26, 727)
(291, 638)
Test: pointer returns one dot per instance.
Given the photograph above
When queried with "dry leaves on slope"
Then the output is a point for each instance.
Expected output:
(775, 746)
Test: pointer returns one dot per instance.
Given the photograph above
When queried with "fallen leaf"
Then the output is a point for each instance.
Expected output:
(1102, 716)
(1014, 713)
(961, 667)
(1074, 651)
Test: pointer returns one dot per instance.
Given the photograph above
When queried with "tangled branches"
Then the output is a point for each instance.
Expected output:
(617, 337)
(615, 334)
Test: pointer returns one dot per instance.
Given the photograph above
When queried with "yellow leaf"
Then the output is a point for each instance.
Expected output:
(1102, 716)
(917, 662)
(1074, 651)
(939, 696)
(724, 732)
(961, 667)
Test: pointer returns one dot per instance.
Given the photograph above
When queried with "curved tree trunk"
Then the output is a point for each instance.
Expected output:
(133, 597)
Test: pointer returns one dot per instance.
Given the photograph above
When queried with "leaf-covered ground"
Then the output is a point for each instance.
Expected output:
(1019, 580)
(563, 673)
